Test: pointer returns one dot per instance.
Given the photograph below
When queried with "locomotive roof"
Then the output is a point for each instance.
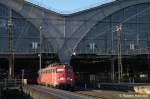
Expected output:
(52, 65)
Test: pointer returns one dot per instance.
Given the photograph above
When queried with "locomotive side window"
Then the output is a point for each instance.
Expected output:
(53, 70)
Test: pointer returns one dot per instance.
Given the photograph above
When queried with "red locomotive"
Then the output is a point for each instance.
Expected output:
(57, 75)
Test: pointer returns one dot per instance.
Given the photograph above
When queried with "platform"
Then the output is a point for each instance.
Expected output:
(142, 89)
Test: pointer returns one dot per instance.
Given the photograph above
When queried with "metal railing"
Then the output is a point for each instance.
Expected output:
(11, 83)
(109, 52)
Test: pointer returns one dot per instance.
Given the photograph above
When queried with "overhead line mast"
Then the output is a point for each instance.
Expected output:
(11, 50)
(119, 53)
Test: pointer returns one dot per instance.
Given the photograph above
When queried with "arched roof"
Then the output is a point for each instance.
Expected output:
(97, 13)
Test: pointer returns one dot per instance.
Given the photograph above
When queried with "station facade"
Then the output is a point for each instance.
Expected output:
(119, 29)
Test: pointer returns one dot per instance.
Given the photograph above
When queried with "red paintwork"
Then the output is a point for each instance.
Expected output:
(56, 74)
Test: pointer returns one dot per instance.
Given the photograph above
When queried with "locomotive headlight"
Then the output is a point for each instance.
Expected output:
(61, 78)
(68, 78)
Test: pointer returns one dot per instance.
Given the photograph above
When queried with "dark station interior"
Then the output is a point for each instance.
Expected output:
(88, 68)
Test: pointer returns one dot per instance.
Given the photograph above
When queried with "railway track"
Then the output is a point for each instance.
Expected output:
(52, 93)
(103, 94)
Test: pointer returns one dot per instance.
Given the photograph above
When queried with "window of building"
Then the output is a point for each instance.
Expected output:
(34, 45)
